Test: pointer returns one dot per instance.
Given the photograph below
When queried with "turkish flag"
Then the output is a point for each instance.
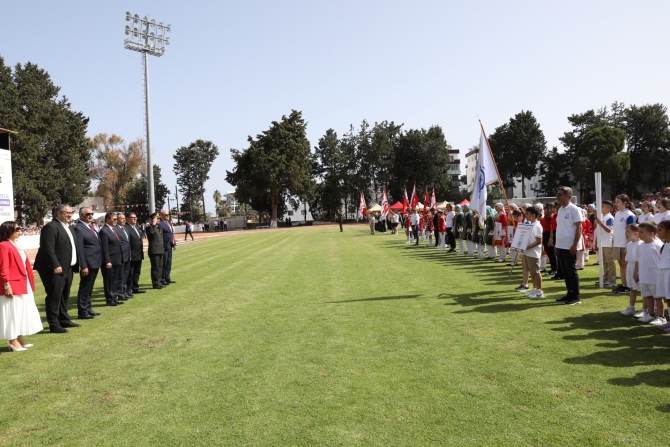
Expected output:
(362, 208)
(425, 201)
(414, 201)
(405, 203)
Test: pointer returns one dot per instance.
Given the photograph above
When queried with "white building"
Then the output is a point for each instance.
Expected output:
(470, 168)
(230, 199)
(302, 214)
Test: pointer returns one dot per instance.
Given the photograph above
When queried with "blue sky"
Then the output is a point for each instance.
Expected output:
(233, 67)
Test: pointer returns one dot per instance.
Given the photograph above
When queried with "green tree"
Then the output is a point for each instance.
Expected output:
(276, 166)
(115, 166)
(554, 171)
(648, 142)
(328, 169)
(602, 149)
(192, 165)
(518, 147)
(50, 155)
(136, 194)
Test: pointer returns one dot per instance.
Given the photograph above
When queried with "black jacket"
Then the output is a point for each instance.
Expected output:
(168, 238)
(89, 248)
(136, 246)
(111, 247)
(55, 248)
(155, 237)
(125, 243)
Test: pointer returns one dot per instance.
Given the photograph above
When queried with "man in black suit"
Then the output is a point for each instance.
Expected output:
(89, 250)
(169, 244)
(136, 254)
(436, 221)
(55, 262)
(111, 258)
(124, 292)
(155, 251)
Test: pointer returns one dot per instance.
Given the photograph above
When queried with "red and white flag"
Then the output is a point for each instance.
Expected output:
(385, 204)
(362, 208)
(405, 203)
(433, 202)
(425, 201)
(414, 201)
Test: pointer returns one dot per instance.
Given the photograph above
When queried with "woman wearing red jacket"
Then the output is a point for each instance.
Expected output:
(18, 313)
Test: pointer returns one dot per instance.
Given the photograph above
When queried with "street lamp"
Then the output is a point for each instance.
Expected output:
(147, 37)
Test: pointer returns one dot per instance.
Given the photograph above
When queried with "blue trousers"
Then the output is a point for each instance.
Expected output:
(167, 264)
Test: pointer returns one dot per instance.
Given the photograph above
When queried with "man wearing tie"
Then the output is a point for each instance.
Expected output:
(155, 251)
(55, 262)
(169, 244)
(136, 254)
(89, 250)
(112, 259)
(124, 291)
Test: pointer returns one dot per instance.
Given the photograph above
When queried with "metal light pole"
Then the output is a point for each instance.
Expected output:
(147, 37)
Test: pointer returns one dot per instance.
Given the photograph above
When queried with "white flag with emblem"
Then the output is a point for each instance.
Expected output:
(486, 174)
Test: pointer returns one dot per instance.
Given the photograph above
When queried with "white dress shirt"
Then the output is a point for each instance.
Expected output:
(74, 247)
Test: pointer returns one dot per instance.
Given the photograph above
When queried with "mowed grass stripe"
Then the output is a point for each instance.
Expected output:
(316, 337)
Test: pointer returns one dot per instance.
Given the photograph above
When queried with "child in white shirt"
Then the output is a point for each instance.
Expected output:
(646, 274)
(663, 282)
(633, 236)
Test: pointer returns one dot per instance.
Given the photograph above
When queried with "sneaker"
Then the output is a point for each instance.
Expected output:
(646, 319)
(640, 313)
(532, 292)
(536, 295)
(556, 278)
(500, 260)
(512, 264)
(521, 288)
(630, 310)
(664, 326)
(658, 321)
(564, 299)
(573, 301)
(543, 271)
(550, 274)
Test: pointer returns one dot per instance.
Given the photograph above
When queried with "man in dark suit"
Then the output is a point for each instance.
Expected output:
(169, 244)
(111, 258)
(136, 254)
(55, 262)
(436, 221)
(89, 251)
(155, 251)
(124, 292)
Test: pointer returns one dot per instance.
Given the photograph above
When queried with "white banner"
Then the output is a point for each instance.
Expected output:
(6, 186)
(522, 237)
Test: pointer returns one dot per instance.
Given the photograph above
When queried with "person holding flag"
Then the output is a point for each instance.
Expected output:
(433, 202)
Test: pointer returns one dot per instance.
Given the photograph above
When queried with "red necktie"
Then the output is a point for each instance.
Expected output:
(116, 234)
(94, 232)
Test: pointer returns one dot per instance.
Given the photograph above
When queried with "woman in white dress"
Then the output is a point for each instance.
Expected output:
(18, 313)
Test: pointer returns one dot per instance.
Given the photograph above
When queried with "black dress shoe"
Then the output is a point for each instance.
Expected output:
(57, 329)
(129, 296)
(86, 317)
(94, 314)
(158, 286)
(70, 324)
(112, 303)
(171, 282)
(121, 298)
(139, 291)
(118, 303)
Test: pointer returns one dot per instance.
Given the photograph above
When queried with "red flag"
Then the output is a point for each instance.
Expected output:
(433, 202)
(425, 201)
(385, 204)
(362, 208)
(405, 203)
(414, 201)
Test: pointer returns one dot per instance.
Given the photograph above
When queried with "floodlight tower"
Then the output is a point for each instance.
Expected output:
(149, 38)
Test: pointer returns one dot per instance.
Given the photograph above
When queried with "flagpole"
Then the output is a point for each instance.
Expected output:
(502, 187)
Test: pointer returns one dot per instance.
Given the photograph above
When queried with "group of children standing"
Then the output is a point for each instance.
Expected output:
(634, 238)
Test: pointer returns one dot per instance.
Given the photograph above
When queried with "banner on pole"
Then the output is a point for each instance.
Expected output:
(6, 186)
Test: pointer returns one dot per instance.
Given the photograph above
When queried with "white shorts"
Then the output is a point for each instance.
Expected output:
(663, 283)
(647, 290)
(630, 269)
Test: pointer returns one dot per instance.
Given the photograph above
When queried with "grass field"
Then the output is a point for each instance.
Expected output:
(316, 337)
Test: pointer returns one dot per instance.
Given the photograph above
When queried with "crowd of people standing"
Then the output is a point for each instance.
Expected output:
(115, 249)
(562, 237)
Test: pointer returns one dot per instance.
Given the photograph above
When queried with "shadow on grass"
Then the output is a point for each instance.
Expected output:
(378, 298)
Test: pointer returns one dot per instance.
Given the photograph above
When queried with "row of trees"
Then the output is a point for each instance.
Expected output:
(629, 145)
(50, 154)
(278, 167)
